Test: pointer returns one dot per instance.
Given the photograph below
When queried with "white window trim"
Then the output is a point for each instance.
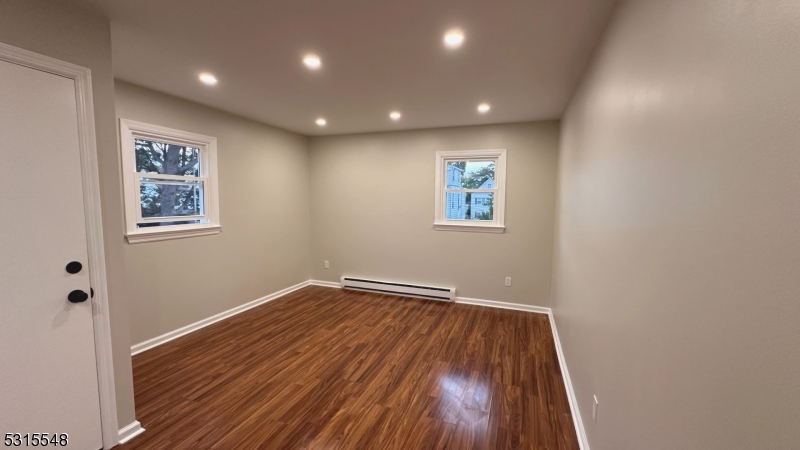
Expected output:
(130, 129)
(495, 226)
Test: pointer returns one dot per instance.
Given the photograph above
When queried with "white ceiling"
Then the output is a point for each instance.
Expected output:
(522, 56)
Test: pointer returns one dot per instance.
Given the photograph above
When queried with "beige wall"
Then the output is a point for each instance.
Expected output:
(66, 32)
(677, 274)
(265, 241)
(372, 200)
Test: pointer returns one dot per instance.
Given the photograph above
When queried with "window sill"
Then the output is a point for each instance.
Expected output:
(474, 228)
(138, 236)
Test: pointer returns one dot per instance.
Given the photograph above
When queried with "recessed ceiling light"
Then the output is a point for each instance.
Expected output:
(395, 115)
(483, 108)
(454, 38)
(321, 122)
(208, 79)
(312, 62)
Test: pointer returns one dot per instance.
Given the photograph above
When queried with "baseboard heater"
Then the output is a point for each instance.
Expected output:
(404, 289)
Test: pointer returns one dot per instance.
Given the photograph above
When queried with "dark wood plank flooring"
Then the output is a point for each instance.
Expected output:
(326, 368)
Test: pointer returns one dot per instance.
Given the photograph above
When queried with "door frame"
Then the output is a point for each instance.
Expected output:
(94, 224)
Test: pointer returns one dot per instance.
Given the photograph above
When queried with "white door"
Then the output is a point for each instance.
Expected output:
(48, 373)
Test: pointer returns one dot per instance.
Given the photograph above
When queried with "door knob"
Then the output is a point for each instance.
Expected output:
(77, 296)
(74, 267)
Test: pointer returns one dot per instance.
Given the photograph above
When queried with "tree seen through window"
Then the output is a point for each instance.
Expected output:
(160, 198)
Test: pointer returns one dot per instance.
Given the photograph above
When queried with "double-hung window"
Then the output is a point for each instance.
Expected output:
(170, 182)
(470, 190)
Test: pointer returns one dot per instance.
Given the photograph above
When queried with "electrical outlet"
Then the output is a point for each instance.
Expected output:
(508, 281)
(327, 265)
(594, 409)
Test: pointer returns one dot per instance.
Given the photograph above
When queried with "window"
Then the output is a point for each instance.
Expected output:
(170, 182)
(470, 190)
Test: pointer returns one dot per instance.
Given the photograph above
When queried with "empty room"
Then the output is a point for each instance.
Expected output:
(363, 224)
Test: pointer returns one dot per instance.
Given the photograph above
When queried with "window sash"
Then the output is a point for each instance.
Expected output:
(444, 202)
(165, 177)
(488, 190)
(200, 152)
(166, 180)
(485, 159)
(446, 190)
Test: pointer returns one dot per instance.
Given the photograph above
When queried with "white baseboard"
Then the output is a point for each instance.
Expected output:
(503, 305)
(464, 300)
(573, 400)
(158, 340)
(332, 284)
(130, 431)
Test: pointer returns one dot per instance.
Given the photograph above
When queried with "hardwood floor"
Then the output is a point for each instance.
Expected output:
(326, 368)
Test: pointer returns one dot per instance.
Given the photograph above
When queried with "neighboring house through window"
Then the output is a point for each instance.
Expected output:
(170, 182)
(482, 202)
(456, 201)
(470, 190)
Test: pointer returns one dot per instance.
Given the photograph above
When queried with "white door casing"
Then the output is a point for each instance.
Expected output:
(56, 374)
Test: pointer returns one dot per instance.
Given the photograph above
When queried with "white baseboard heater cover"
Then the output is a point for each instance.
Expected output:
(404, 289)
